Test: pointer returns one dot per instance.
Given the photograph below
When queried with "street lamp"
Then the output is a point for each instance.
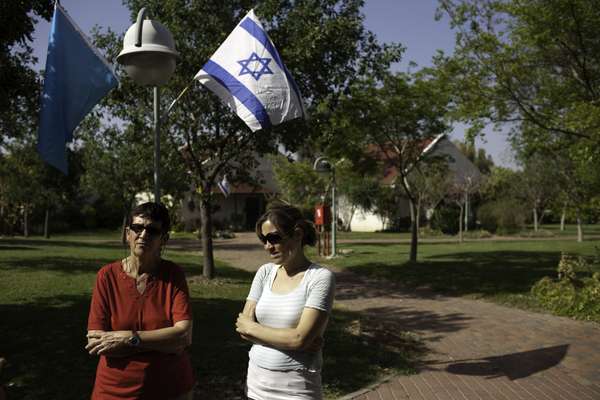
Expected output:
(149, 57)
(322, 165)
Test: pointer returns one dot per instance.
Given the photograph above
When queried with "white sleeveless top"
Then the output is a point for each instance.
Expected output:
(316, 290)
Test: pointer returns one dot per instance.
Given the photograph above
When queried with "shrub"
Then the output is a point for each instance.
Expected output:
(478, 234)
(569, 295)
(502, 216)
(445, 219)
(541, 233)
(429, 232)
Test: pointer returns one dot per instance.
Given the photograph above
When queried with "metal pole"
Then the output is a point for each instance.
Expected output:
(156, 144)
(334, 213)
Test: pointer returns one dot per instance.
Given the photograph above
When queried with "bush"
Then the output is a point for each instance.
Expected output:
(445, 218)
(569, 295)
(479, 234)
(541, 233)
(502, 216)
(429, 232)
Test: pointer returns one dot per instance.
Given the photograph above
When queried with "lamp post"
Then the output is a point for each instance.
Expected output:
(322, 165)
(149, 57)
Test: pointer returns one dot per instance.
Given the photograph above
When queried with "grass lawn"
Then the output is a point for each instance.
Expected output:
(499, 271)
(45, 289)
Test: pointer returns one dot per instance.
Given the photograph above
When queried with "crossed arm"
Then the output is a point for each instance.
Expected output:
(171, 340)
(305, 336)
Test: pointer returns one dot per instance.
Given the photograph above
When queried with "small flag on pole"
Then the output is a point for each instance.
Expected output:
(247, 73)
(224, 186)
(77, 77)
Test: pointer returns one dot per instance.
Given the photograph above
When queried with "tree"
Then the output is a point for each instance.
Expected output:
(20, 84)
(398, 116)
(533, 66)
(431, 180)
(538, 185)
(324, 45)
(460, 191)
(298, 182)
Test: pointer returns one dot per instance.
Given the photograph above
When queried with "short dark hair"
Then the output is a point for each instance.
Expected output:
(157, 212)
(286, 218)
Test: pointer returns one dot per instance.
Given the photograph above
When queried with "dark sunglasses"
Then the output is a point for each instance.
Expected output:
(150, 230)
(273, 238)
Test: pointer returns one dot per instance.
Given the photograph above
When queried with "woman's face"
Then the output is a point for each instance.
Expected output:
(280, 247)
(145, 237)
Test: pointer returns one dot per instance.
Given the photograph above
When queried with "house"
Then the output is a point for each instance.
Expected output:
(241, 208)
(463, 169)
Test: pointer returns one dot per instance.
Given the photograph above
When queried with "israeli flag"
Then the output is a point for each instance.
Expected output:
(224, 186)
(247, 73)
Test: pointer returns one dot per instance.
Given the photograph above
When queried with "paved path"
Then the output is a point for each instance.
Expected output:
(477, 350)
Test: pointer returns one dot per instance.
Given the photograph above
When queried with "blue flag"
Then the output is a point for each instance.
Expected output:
(247, 73)
(77, 77)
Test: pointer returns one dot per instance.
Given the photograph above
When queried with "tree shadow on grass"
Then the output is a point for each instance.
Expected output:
(44, 344)
(10, 243)
(486, 273)
(358, 351)
(67, 265)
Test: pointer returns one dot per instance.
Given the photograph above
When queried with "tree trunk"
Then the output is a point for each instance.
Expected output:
(466, 212)
(348, 226)
(563, 216)
(25, 221)
(46, 224)
(460, 224)
(414, 238)
(418, 218)
(579, 229)
(535, 219)
(208, 269)
(124, 229)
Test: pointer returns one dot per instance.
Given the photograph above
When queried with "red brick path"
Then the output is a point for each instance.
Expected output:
(479, 350)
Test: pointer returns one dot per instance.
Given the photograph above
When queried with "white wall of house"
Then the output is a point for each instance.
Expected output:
(366, 222)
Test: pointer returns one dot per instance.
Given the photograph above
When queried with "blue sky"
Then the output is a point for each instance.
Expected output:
(409, 22)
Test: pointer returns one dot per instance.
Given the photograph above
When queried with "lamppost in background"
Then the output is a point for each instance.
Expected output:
(149, 57)
(322, 165)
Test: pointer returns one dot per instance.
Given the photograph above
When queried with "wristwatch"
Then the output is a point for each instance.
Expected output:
(134, 340)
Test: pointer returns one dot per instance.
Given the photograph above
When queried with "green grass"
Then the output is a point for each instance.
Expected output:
(499, 271)
(45, 289)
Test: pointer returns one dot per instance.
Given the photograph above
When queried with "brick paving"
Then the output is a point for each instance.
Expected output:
(478, 350)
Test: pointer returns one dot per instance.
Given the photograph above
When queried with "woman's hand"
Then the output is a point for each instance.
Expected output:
(244, 325)
(108, 343)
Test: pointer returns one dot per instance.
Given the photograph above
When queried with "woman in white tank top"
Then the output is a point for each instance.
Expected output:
(286, 311)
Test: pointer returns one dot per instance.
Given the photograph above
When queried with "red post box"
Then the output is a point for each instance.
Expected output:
(322, 214)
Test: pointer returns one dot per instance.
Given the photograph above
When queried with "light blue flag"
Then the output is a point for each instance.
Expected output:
(247, 73)
(77, 77)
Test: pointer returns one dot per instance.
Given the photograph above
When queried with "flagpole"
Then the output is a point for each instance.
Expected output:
(156, 144)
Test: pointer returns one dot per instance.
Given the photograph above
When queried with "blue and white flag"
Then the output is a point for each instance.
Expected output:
(224, 186)
(77, 77)
(247, 73)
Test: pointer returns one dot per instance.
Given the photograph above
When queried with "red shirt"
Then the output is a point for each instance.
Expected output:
(117, 305)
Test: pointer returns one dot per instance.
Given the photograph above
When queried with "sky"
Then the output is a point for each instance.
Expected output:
(408, 22)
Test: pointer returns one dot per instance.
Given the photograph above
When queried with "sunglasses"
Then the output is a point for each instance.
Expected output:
(150, 230)
(273, 238)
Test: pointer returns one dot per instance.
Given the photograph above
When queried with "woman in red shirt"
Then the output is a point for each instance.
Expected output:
(140, 320)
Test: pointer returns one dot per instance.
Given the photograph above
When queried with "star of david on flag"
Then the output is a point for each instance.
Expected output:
(248, 75)
(253, 62)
